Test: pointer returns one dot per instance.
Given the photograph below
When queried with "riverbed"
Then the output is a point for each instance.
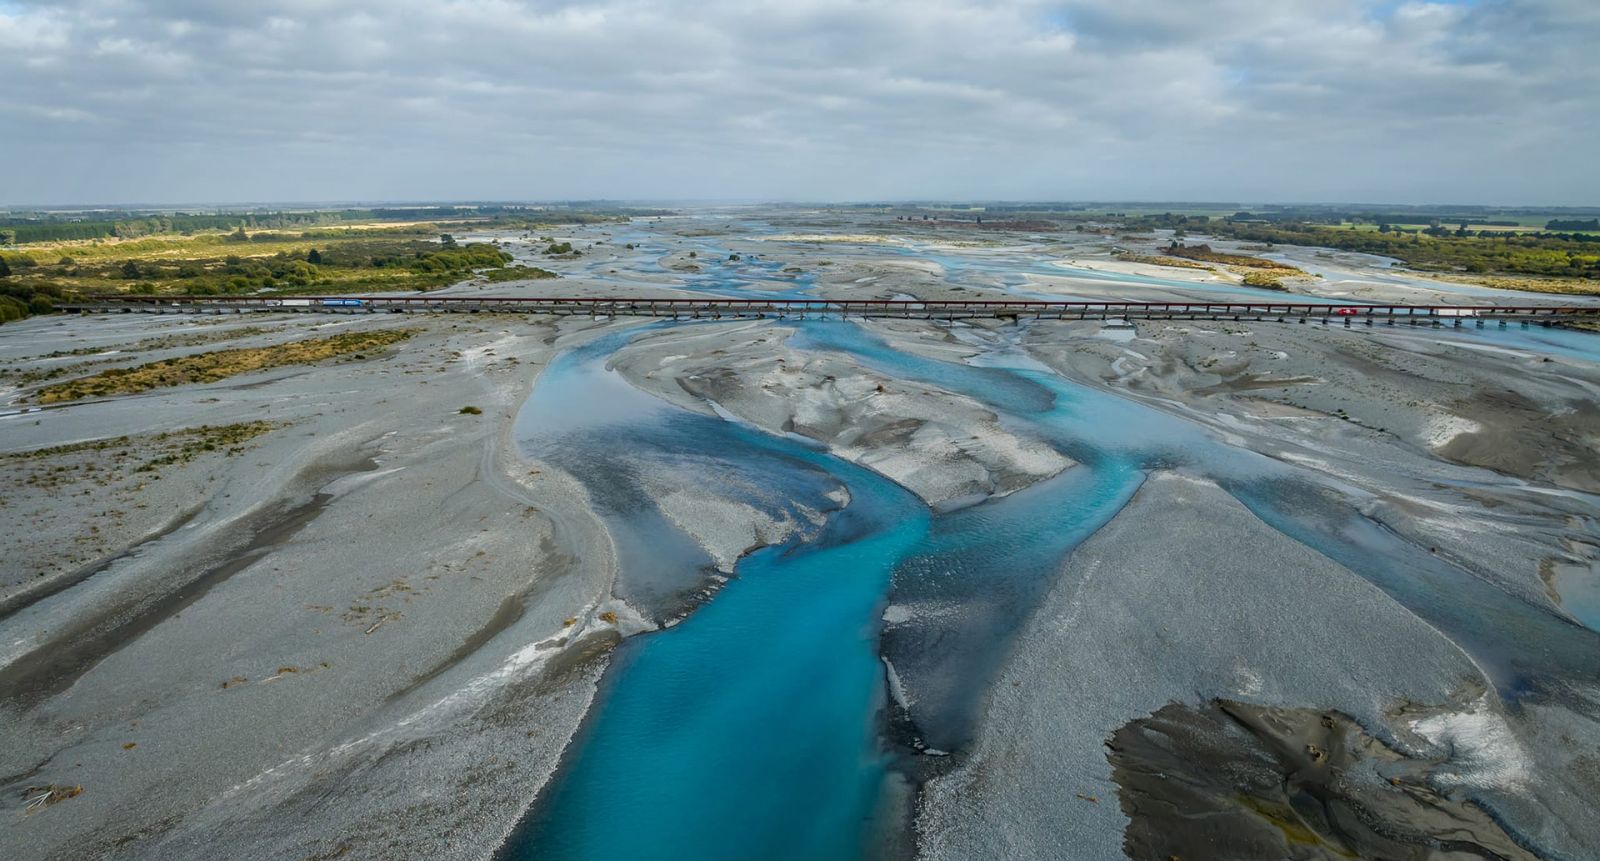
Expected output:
(693, 589)
(763, 722)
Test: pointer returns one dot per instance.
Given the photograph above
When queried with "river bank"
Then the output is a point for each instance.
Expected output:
(359, 585)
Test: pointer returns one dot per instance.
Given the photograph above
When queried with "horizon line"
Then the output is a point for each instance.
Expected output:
(355, 203)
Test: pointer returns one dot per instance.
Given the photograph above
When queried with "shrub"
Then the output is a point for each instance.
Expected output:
(1263, 280)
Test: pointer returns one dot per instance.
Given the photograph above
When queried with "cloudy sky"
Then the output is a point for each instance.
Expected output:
(117, 101)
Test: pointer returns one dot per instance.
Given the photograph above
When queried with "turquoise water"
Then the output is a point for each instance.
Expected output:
(1514, 641)
(749, 278)
(748, 730)
(755, 727)
(995, 562)
(769, 699)
(713, 733)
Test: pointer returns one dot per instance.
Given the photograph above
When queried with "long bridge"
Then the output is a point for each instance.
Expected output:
(711, 307)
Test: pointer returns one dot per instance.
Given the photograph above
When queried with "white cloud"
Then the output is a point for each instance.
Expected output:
(393, 99)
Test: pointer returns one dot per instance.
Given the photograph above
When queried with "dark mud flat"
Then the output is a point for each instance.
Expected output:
(1230, 780)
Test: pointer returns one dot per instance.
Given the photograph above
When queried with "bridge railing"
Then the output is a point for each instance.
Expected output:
(933, 308)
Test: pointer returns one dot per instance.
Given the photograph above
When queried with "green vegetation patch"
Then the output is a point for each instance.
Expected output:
(185, 445)
(1175, 262)
(219, 365)
(25, 377)
(1561, 256)
(43, 227)
(1265, 280)
(1256, 271)
(1562, 286)
(20, 299)
(1205, 254)
(517, 273)
(341, 260)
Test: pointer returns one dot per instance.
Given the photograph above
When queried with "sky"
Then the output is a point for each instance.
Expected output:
(194, 101)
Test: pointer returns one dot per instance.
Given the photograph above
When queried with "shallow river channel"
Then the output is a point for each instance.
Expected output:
(756, 726)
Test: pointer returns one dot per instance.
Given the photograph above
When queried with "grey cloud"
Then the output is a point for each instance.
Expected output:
(139, 100)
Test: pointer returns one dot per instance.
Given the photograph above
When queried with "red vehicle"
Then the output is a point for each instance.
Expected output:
(1347, 312)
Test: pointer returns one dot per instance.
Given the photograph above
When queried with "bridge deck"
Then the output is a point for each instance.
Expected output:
(716, 307)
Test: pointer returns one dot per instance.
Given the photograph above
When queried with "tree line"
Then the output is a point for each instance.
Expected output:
(1545, 254)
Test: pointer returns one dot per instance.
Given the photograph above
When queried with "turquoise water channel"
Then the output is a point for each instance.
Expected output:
(769, 698)
(756, 726)
(712, 731)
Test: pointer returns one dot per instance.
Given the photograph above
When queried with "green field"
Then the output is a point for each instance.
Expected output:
(341, 262)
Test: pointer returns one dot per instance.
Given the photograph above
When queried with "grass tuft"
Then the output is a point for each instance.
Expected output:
(219, 365)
